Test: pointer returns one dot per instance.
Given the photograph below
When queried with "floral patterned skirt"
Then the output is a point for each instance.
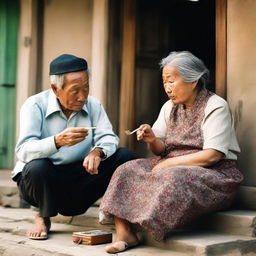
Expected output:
(163, 200)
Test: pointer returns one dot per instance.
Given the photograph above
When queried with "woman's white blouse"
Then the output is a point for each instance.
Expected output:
(217, 126)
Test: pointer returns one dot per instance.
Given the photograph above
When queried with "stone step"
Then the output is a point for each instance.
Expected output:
(60, 244)
(181, 242)
(233, 222)
(236, 222)
(9, 194)
(13, 241)
(246, 197)
(206, 243)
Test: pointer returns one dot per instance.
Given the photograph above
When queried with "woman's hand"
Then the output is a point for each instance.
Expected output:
(146, 134)
(164, 164)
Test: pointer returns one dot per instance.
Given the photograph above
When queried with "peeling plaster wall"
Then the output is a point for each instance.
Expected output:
(241, 80)
(67, 29)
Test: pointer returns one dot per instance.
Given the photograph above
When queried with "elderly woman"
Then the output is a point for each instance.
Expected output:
(195, 170)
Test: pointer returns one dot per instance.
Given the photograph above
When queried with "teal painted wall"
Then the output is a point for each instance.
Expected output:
(9, 19)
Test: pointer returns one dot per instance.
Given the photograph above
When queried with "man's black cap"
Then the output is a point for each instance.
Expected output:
(66, 63)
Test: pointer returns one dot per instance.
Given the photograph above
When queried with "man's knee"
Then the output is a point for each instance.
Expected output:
(36, 169)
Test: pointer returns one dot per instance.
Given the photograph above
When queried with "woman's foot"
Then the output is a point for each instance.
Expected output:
(40, 229)
(119, 246)
(125, 237)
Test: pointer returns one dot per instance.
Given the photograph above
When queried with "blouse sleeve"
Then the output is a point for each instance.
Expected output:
(217, 125)
(161, 124)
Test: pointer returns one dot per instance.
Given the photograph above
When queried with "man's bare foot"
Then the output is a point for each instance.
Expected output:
(40, 229)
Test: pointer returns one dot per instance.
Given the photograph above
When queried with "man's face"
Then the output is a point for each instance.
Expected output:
(74, 92)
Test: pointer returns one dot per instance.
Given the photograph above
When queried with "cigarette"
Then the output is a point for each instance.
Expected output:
(90, 128)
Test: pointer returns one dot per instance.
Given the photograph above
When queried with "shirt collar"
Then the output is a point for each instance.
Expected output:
(54, 106)
(84, 108)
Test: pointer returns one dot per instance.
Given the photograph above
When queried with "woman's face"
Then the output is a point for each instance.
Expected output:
(179, 91)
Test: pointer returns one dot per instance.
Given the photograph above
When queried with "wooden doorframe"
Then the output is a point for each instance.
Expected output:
(221, 48)
(127, 97)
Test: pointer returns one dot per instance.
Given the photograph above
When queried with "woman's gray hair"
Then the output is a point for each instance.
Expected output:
(189, 67)
(57, 80)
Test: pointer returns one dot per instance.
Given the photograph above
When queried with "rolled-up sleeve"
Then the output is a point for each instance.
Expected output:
(30, 146)
(103, 136)
(161, 124)
(217, 127)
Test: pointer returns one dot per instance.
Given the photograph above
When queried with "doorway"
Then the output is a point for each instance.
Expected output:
(162, 27)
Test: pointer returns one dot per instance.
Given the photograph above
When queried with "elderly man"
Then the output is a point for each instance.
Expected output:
(67, 150)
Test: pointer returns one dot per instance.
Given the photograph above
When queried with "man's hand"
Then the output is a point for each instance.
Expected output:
(92, 161)
(146, 134)
(70, 136)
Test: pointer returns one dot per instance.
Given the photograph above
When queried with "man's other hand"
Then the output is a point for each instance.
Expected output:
(70, 136)
(92, 161)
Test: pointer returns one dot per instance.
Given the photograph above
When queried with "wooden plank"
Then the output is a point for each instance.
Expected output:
(127, 101)
(221, 48)
(99, 50)
(113, 68)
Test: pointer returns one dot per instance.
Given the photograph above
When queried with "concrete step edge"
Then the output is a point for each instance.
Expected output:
(237, 222)
(205, 243)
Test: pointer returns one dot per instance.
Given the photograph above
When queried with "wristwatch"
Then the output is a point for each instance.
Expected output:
(102, 154)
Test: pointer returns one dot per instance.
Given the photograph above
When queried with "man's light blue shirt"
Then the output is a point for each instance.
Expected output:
(41, 118)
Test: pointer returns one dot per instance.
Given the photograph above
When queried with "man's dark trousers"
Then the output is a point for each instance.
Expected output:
(67, 189)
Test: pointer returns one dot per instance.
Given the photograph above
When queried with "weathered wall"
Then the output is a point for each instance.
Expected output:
(27, 54)
(241, 80)
(67, 29)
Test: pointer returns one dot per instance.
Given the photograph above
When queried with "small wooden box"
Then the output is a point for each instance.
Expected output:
(92, 237)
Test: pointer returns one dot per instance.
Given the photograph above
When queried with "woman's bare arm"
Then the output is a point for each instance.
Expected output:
(204, 158)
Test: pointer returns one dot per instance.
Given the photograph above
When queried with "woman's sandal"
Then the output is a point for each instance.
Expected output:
(119, 246)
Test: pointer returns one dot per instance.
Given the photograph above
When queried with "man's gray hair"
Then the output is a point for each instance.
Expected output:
(57, 80)
(189, 67)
